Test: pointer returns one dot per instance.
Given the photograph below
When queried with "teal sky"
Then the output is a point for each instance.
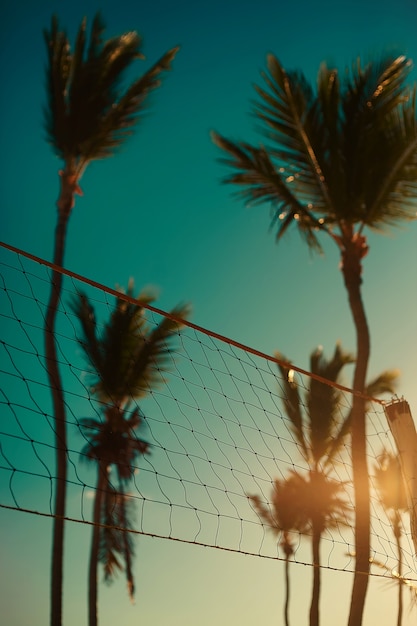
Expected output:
(158, 212)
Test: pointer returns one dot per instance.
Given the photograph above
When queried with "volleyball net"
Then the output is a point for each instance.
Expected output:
(217, 428)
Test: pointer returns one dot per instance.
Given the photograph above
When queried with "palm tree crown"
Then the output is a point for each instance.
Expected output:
(340, 155)
(320, 429)
(128, 356)
(88, 114)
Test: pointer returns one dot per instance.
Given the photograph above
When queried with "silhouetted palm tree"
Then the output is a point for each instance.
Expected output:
(88, 116)
(127, 360)
(339, 159)
(320, 429)
(284, 516)
(392, 495)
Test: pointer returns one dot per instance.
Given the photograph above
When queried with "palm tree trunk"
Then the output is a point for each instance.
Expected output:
(397, 532)
(65, 203)
(352, 268)
(127, 547)
(95, 545)
(287, 591)
(315, 598)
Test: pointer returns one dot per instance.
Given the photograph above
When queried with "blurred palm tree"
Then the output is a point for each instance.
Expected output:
(393, 497)
(88, 116)
(127, 360)
(340, 158)
(316, 503)
(320, 429)
(284, 516)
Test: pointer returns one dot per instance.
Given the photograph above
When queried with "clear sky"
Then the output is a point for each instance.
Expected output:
(158, 212)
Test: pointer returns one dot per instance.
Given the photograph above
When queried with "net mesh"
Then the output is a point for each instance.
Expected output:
(216, 425)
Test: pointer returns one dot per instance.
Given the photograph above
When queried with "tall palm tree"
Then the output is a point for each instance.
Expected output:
(127, 359)
(284, 516)
(87, 117)
(340, 158)
(392, 495)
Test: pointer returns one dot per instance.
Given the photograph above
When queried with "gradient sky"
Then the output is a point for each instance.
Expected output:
(157, 212)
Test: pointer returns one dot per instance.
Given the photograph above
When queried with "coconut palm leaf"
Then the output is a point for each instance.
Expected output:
(289, 118)
(384, 383)
(88, 113)
(323, 403)
(316, 420)
(293, 404)
(115, 539)
(110, 546)
(113, 441)
(323, 165)
(262, 181)
(129, 355)
(285, 512)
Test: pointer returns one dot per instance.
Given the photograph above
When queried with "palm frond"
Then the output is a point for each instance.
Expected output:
(299, 502)
(89, 114)
(293, 405)
(323, 407)
(285, 512)
(395, 179)
(317, 421)
(96, 36)
(384, 383)
(113, 441)
(375, 99)
(57, 77)
(154, 354)
(128, 356)
(287, 109)
(325, 503)
(110, 546)
(115, 539)
(343, 155)
(83, 310)
(263, 182)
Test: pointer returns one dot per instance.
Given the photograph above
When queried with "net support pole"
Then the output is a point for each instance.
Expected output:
(403, 430)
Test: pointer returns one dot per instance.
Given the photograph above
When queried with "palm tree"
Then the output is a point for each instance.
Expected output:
(392, 495)
(284, 516)
(341, 158)
(127, 359)
(88, 116)
(308, 505)
(320, 431)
